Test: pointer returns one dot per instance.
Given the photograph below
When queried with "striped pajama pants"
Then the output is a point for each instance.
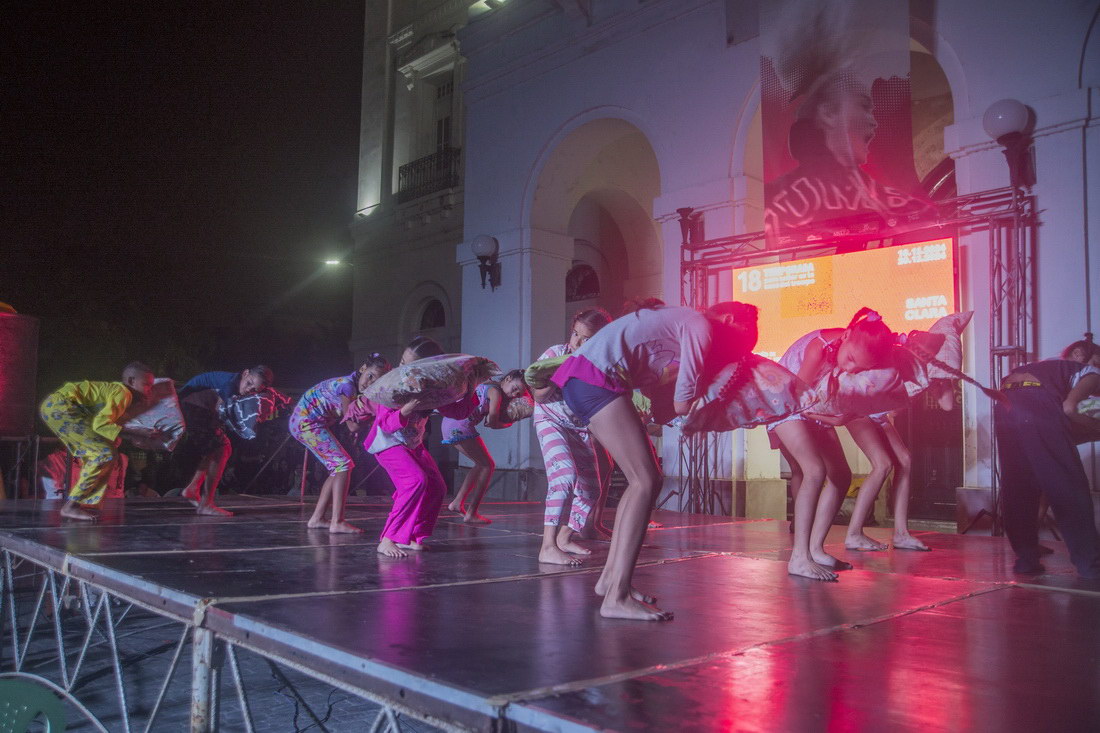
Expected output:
(571, 474)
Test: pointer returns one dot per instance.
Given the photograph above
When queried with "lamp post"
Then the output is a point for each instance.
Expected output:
(1007, 121)
(1011, 263)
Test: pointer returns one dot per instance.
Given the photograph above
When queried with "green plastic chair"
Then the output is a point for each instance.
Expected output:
(22, 702)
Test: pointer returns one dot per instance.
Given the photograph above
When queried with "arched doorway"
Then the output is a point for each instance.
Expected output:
(595, 194)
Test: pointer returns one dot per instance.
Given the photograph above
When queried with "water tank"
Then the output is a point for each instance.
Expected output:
(18, 366)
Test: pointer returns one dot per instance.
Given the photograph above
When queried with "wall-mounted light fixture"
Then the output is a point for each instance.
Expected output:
(691, 225)
(485, 249)
(1008, 121)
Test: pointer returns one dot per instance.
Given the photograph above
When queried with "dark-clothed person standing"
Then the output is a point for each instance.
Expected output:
(1037, 447)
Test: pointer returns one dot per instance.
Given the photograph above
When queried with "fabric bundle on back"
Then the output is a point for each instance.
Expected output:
(750, 392)
(436, 381)
(244, 413)
(873, 390)
(519, 408)
(160, 412)
(538, 374)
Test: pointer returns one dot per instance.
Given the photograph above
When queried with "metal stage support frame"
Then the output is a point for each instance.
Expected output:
(76, 613)
(1009, 218)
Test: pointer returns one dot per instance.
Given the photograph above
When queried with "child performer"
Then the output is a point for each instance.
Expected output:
(87, 417)
(572, 475)
(1037, 429)
(396, 439)
(880, 441)
(810, 444)
(653, 346)
(205, 442)
(463, 435)
(319, 410)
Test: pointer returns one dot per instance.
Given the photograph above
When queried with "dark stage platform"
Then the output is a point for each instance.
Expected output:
(476, 634)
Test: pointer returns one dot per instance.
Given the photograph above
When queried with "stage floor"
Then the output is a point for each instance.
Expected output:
(476, 630)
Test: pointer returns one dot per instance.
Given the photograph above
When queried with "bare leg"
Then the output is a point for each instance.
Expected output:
(566, 543)
(618, 427)
(902, 487)
(801, 450)
(338, 489)
(317, 520)
(193, 491)
(796, 478)
(550, 553)
(476, 482)
(605, 466)
(838, 477)
(872, 441)
(215, 468)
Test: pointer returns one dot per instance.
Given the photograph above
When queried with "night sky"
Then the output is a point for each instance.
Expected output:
(173, 179)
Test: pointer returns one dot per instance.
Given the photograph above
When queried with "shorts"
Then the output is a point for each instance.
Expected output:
(585, 399)
(456, 431)
(814, 425)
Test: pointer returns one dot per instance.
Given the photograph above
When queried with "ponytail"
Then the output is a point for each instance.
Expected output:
(375, 359)
(867, 326)
(1085, 345)
(594, 318)
(636, 305)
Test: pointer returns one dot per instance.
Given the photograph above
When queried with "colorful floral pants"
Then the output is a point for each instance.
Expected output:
(318, 437)
(72, 424)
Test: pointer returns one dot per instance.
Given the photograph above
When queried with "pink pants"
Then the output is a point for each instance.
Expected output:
(418, 493)
(571, 473)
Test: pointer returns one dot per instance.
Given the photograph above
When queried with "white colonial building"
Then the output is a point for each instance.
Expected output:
(571, 131)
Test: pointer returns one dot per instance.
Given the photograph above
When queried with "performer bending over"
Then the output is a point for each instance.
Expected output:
(819, 471)
(205, 444)
(463, 435)
(1037, 430)
(654, 346)
(396, 439)
(573, 480)
(88, 418)
(319, 410)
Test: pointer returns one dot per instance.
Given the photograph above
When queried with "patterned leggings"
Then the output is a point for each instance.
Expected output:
(322, 443)
(571, 472)
(72, 424)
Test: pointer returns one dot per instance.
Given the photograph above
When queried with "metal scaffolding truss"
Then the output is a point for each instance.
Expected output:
(60, 619)
(1006, 216)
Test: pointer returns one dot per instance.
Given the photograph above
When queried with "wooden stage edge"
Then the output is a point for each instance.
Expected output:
(476, 634)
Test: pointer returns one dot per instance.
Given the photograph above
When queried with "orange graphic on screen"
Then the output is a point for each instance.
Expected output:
(911, 285)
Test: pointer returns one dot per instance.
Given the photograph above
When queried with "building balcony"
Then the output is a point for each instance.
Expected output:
(442, 169)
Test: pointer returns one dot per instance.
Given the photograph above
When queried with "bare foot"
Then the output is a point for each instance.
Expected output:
(212, 510)
(72, 510)
(414, 546)
(827, 560)
(476, 519)
(389, 548)
(634, 593)
(343, 527)
(456, 507)
(863, 543)
(316, 523)
(654, 525)
(909, 542)
(191, 496)
(574, 548)
(554, 556)
(632, 609)
(807, 568)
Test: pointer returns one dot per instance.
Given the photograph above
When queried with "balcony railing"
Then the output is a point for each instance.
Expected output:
(442, 169)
